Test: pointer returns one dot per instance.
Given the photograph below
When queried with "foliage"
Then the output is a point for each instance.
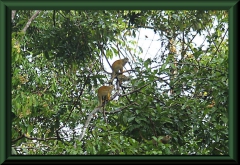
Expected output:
(58, 64)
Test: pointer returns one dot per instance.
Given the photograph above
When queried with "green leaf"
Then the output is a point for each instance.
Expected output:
(224, 119)
(14, 152)
(29, 129)
(163, 67)
(125, 119)
(140, 48)
(131, 119)
(173, 66)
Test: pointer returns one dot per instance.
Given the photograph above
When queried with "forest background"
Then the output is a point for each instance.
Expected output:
(60, 58)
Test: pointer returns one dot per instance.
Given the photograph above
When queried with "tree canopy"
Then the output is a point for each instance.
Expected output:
(60, 59)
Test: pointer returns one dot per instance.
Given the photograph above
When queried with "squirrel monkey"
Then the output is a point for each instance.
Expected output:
(165, 139)
(104, 93)
(116, 66)
(122, 78)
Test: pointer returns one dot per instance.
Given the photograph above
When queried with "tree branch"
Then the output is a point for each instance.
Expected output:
(34, 138)
(118, 110)
(181, 63)
(30, 20)
(20, 137)
(13, 14)
(39, 139)
(139, 88)
(87, 122)
(91, 115)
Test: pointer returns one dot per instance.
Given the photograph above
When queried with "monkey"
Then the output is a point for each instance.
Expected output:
(116, 66)
(166, 139)
(104, 94)
(122, 78)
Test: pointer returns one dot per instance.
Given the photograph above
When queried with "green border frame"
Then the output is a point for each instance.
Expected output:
(5, 79)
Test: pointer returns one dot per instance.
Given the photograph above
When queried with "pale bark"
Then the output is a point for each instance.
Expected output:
(30, 20)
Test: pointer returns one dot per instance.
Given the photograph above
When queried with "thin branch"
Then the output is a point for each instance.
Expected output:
(102, 52)
(34, 138)
(30, 20)
(197, 66)
(118, 110)
(156, 98)
(217, 48)
(188, 45)
(139, 88)
(75, 102)
(39, 139)
(209, 34)
(221, 41)
(20, 137)
(219, 150)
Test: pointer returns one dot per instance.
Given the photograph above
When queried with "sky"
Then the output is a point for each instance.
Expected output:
(150, 46)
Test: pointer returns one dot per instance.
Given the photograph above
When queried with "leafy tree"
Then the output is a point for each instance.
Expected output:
(59, 61)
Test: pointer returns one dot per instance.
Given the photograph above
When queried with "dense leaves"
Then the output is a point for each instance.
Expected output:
(61, 58)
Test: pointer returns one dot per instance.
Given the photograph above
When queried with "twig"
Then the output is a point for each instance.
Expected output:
(139, 88)
(118, 110)
(34, 138)
(39, 139)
